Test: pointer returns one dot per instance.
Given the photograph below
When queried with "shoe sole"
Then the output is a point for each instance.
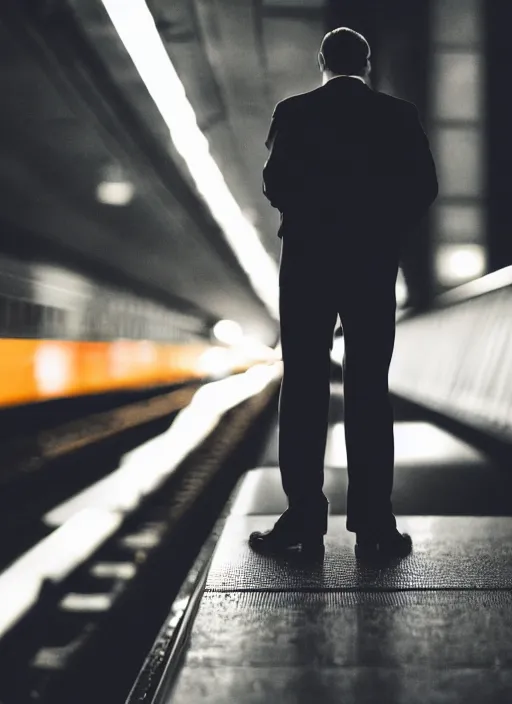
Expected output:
(309, 547)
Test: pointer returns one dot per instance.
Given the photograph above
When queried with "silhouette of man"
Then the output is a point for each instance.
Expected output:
(351, 172)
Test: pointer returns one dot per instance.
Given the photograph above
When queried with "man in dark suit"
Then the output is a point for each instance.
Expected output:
(351, 172)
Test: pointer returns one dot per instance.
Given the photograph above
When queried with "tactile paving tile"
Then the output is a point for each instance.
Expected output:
(449, 553)
(337, 629)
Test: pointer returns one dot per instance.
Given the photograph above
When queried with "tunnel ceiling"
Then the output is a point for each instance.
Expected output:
(236, 61)
(74, 104)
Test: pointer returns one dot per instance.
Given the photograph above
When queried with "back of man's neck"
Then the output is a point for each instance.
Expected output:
(330, 76)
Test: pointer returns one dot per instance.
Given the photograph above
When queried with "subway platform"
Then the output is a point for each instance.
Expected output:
(434, 627)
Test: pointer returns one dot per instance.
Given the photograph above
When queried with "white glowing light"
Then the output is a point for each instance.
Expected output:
(142, 470)
(254, 350)
(114, 570)
(335, 450)
(416, 443)
(120, 357)
(338, 350)
(86, 602)
(53, 368)
(423, 443)
(147, 352)
(215, 362)
(115, 192)
(246, 494)
(228, 331)
(458, 263)
(400, 289)
(136, 28)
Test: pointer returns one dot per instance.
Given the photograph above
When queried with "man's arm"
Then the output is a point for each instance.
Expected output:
(421, 181)
(272, 130)
(276, 171)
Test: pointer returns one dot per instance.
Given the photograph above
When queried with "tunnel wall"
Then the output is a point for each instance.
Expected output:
(456, 359)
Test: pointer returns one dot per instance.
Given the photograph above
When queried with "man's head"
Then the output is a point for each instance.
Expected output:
(344, 51)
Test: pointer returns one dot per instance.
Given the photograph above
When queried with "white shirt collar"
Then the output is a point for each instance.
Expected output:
(346, 75)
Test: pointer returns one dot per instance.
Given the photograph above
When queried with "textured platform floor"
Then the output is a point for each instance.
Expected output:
(434, 628)
(449, 553)
(398, 648)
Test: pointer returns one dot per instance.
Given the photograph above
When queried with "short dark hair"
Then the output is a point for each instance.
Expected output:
(345, 51)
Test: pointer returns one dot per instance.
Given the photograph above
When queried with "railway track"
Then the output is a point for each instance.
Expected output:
(108, 531)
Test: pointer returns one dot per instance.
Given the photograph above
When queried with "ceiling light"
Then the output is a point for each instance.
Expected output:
(115, 192)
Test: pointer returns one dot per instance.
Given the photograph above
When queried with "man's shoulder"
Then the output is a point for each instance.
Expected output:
(393, 103)
(296, 102)
(303, 100)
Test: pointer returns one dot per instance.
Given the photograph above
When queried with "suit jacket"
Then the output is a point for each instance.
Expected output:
(343, 158)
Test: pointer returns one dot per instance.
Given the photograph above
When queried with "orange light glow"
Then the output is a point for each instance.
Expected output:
(36, 370)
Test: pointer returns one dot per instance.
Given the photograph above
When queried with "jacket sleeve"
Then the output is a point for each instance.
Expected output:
(421, 185)
(276, 170)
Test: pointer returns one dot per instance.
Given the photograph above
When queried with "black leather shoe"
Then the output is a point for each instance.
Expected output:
(386, 547)
(286, 534)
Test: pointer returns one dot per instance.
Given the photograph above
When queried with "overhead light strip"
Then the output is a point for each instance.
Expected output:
(135, 25)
